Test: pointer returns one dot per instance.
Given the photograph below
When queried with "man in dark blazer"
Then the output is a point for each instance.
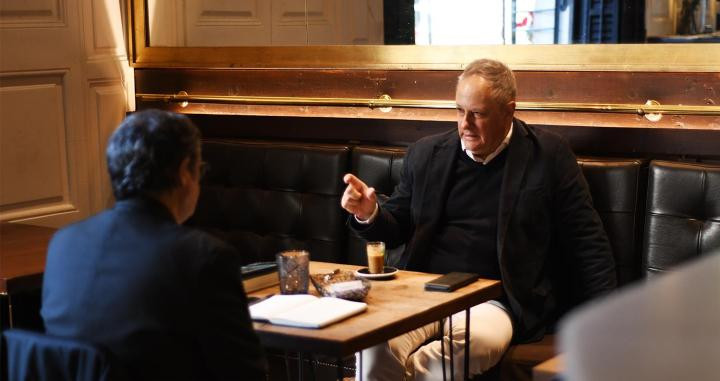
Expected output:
(165, 300)
(496, 197)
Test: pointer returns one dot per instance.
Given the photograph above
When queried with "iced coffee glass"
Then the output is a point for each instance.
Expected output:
(376, 257)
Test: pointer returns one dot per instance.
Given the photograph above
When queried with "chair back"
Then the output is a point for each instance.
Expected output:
(36, 356)
(618, 191)
(683, 214)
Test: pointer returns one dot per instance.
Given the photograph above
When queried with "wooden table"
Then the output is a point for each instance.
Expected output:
(549, 370)
(395, 306)
(22, 256)
(22, 262)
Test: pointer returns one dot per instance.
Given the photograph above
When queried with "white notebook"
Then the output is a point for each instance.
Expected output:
(305, 311)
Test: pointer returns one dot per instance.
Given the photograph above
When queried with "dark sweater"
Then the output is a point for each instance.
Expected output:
(466, 239)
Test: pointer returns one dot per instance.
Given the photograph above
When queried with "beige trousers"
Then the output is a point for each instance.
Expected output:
(406, 358)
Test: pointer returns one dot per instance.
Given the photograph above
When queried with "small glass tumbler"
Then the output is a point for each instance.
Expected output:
(376, 257)
(294, 271)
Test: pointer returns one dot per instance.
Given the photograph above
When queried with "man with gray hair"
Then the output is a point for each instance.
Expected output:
(499, 198)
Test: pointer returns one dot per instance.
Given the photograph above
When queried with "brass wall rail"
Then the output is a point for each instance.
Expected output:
(648, 109)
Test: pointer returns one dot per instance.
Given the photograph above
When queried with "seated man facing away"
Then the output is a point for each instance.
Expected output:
(499, 198)
(164, 299)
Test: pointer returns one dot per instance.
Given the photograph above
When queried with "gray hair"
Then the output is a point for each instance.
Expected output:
(145, 152)
(500, 77)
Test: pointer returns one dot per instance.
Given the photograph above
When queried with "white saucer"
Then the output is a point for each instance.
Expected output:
(389, 272)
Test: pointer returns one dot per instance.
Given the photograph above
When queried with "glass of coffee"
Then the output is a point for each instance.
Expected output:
(376, 257)
(294, 271)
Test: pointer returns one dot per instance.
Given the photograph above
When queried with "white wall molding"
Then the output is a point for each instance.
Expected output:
(106, 109)
(32, 13)
(34, 145)
(84, 82)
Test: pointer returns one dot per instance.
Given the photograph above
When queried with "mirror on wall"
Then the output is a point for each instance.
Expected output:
(203, 23)
(414, 34)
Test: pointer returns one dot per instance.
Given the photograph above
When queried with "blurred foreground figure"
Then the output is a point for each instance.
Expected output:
(164, 299)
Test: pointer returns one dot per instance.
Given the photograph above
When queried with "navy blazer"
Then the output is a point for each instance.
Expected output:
(551, 245)
(164, 299)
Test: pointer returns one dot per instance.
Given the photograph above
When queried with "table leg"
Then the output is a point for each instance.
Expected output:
(450, 341)
(359, 366)
(442, 347)
(4, 312)
(313, 366)
(10, 310)
(287, 366)
(300, 366)
(466, 366)
(339, 365)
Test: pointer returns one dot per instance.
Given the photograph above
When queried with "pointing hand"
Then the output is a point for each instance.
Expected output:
(358, 199)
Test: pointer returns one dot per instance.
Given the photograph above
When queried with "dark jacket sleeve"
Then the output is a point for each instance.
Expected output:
(394, 223)
(229, 345)
(580, 231)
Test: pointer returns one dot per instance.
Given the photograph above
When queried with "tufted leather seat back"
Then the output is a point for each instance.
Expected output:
(683, 214)
(265, 197)
(379, 167)
(617, 188)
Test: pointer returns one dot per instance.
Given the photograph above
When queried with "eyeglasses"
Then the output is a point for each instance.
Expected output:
(204, 169)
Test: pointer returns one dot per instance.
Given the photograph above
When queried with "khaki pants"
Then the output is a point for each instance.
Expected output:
(406, 358)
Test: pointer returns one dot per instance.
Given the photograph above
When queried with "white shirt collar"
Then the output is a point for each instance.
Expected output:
(491, 156)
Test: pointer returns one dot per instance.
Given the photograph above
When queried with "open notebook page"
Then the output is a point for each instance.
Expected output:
(306, 311)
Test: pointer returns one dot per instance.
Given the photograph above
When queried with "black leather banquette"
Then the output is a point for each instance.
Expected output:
(264, 197)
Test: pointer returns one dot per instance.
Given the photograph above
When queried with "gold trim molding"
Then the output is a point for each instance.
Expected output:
(648, 110)
(594, 57)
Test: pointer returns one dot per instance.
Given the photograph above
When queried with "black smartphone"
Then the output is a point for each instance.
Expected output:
(257, 268)
(451, 281)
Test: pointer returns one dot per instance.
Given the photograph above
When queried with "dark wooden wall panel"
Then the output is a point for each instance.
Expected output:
(308, 83)
(550, 86)
(702, 89)
(537, 86)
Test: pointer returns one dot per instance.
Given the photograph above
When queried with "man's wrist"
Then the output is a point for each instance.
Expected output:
(370, 219)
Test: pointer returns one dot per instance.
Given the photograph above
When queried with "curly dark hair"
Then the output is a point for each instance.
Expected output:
(146, 150)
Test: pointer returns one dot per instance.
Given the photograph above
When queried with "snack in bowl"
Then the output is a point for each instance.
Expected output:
(341, 284)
